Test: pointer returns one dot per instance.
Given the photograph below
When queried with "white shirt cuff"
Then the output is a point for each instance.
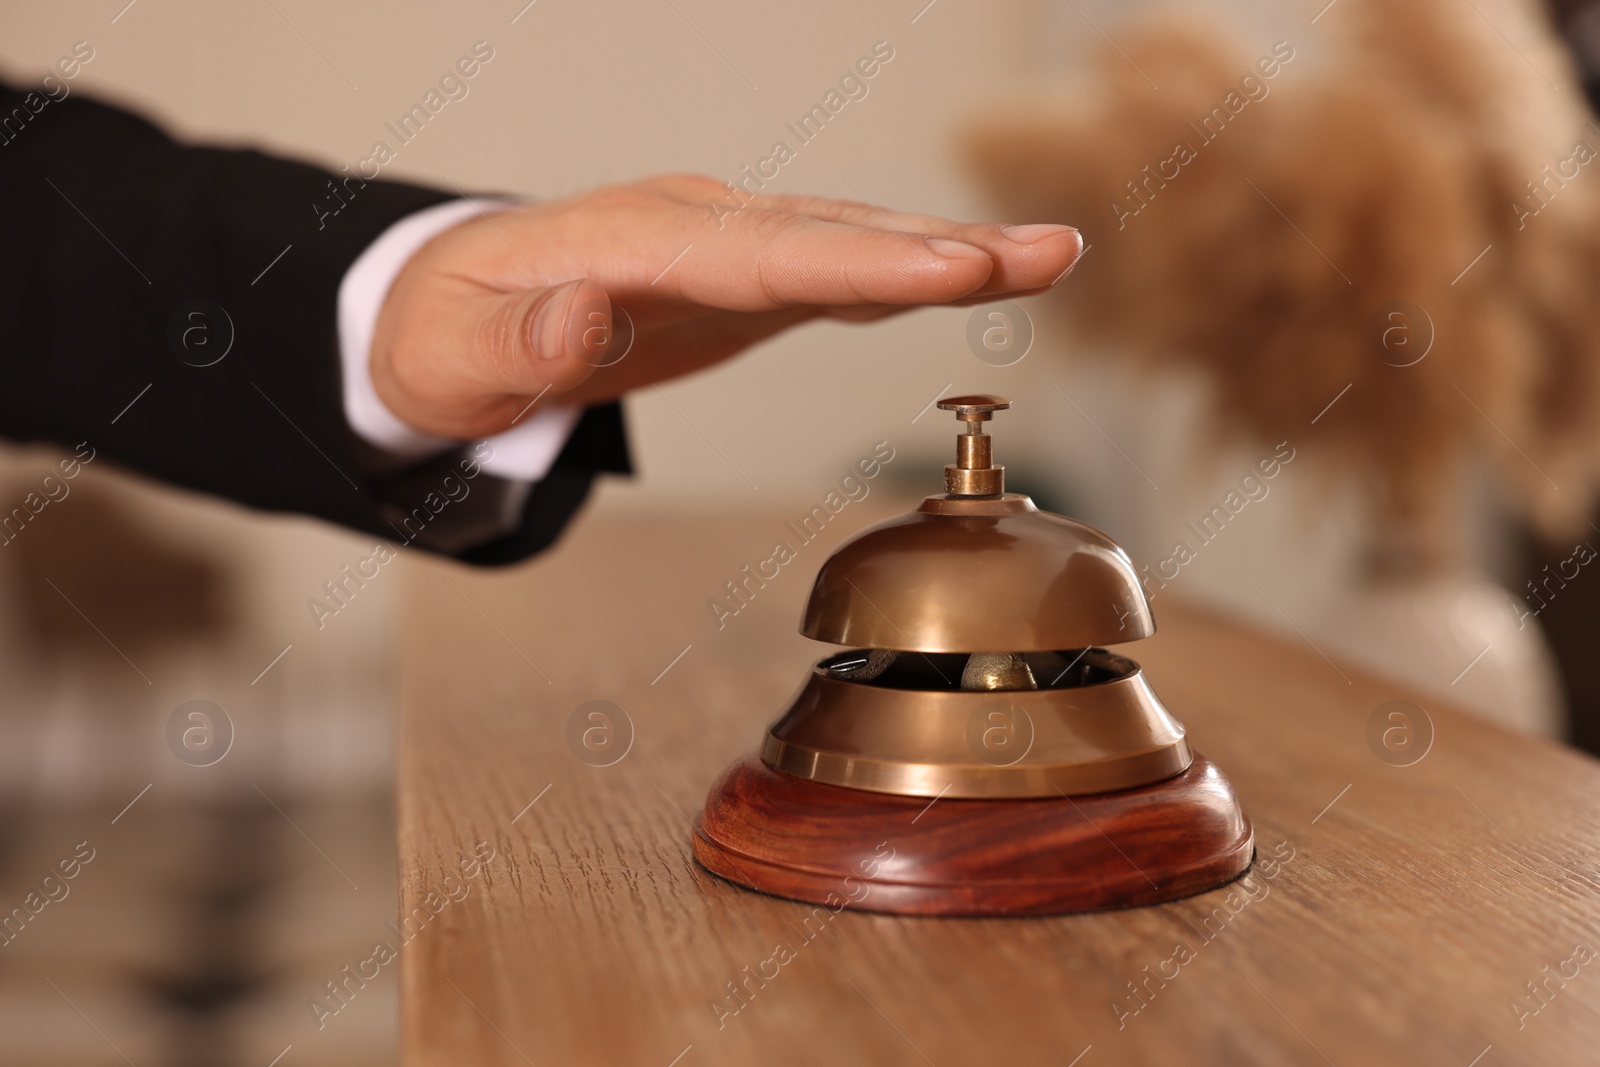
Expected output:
(524, 452)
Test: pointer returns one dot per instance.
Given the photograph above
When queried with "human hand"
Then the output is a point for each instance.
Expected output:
(517, 305)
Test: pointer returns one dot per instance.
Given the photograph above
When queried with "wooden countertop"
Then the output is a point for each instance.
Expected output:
(1407, 911)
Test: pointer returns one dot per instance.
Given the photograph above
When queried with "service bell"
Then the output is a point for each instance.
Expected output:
(977, 750)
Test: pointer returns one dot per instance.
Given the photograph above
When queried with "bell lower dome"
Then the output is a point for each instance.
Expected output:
(1093, 726)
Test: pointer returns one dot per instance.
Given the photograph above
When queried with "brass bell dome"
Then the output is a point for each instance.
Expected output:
(1004, 578)
(979, 570)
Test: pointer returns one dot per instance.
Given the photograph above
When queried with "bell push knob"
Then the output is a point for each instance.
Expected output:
(974, 472)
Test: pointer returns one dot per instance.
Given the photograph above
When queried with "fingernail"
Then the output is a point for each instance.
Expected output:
(954, 249)
(1036, 231)
(550, 325)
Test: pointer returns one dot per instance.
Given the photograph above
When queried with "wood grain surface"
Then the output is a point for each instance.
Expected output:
(1398, 914)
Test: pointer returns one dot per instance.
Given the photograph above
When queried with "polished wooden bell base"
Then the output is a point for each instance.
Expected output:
(840, 847)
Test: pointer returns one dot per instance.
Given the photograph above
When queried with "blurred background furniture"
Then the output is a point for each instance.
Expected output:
(212, 909)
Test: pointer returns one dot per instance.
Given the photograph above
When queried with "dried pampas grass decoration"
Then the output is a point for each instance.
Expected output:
(1272, 253)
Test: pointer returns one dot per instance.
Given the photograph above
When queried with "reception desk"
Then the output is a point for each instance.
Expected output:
(1442, 910)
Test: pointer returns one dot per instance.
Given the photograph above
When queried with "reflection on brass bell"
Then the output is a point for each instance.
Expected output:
(977, 751)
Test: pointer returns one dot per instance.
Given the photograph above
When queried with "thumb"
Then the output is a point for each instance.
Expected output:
(456, 359)
(544, 339)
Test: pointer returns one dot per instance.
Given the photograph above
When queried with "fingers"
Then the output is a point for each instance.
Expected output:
(1026, 257)
(672, 240)
(872, 216)
(771, 260)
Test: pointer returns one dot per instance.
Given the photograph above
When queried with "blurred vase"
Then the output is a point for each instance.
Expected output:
(1454, 633)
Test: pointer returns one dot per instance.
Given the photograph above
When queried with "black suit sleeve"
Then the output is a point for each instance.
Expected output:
(109, 233)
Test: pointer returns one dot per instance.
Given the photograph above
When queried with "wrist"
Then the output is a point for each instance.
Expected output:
(365, 305)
